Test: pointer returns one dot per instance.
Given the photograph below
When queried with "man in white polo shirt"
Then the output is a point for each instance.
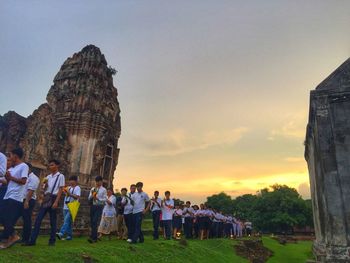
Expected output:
(29, 198)
(54, 187)
(167, 214)
(140, 199)
(16, 177)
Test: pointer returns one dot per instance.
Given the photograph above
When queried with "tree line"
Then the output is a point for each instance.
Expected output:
(278, 209)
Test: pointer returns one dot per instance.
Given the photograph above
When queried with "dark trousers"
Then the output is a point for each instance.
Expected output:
(188, 227)
(129, 225)
(196, 229)
(27, 221)
(53, 224)
(215, 230)
(167, 228)
(221, 229)
(3, 189)
(137, 235)
(156, 220)
(248, 231)
(228, 229)
(95, 218)
(13, 210)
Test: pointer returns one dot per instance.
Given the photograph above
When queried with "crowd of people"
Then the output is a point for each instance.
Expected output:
(109, 213)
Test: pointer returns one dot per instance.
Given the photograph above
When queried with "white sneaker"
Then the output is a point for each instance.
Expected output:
(129, 240)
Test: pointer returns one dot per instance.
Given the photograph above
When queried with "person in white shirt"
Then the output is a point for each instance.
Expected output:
(29, 199)
(196, 221)
(128, 204)
(97, 197)
(3, 183)
(248, 228)
(16, 177)
(220, 218)
(156, 204)
(202, 221)
(228, 226)
(141, 206)
(72, 193)
(108, 222)
(210, 216)
(167, 214)
(188, 214)
(53, 187)
(177, 220)
(122, 232)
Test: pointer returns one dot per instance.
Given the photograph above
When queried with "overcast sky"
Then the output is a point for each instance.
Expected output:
(214, 94)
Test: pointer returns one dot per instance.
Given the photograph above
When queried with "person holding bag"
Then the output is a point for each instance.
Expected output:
(53, 188)
(72, 193)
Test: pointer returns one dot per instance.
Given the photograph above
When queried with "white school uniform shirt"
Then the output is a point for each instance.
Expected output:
(140, 200)
(3, 166)
(216, 218)
(126, 202)
(156, 207)
(200, 213)
(109, 209)
(101, 195)
(187, 211)
(31, 184)
(178, 212)
(167, 213)
(222, 217)
(51, 179)
(15, 191)
(209, 213)
(73, 190)
(248, 225)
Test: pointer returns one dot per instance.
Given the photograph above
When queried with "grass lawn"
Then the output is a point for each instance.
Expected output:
(215, 250)
(291, 253)
(151, 251)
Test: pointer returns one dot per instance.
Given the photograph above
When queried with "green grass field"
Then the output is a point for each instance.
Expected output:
(215, 250)
(151, 251)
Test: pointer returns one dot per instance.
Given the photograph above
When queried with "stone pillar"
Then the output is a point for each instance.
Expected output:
(327, 152)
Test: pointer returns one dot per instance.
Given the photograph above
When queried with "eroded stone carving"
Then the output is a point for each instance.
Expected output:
(79, 124)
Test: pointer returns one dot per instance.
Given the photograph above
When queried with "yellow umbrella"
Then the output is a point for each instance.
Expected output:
(73, 209)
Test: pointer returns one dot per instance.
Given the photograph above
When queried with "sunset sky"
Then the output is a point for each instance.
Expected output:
(214, 94)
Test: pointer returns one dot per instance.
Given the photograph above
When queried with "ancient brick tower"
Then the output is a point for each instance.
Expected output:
(327, 152)
(79, 124)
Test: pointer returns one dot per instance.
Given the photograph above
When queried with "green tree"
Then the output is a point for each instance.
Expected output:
(243, 206)
(221, 201)
(280, 210)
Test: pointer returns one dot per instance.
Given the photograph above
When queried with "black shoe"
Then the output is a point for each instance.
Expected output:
(51, 244)
(90, 240)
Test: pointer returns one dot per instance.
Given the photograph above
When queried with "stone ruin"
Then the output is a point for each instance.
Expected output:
(79, 125)
(327, 152)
